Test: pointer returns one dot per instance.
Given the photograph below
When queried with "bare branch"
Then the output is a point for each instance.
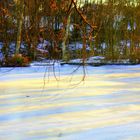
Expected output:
(82, 16)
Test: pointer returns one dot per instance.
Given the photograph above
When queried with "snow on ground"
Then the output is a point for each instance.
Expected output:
(106, 106)
(77, 46)
(1, 55)
(46, 62)
(100, 60)
(43, 44)
(94, 59)
(77, 61)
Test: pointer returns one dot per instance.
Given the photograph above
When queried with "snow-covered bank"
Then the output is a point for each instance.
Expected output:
(92, 61)
(100, 60)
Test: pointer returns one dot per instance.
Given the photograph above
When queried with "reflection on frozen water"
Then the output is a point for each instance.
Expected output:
(106, 106)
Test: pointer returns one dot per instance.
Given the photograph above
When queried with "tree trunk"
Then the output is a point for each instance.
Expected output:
(64, 50)
(20, 11)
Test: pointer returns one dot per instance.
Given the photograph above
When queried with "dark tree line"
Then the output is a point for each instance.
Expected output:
(110, 29)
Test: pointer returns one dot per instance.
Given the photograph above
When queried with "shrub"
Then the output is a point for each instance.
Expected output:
(17, 61)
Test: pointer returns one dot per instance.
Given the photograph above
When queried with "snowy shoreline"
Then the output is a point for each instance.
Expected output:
(73, 62)
(91, 61)
(99, 61)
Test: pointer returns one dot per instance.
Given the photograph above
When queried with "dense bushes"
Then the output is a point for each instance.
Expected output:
(16, 61)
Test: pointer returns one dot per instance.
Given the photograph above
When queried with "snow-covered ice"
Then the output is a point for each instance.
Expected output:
(58, 105)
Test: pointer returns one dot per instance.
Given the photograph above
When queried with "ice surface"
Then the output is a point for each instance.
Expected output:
(106, 106)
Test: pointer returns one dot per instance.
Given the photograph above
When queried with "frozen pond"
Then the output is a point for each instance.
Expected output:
(36, 105)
